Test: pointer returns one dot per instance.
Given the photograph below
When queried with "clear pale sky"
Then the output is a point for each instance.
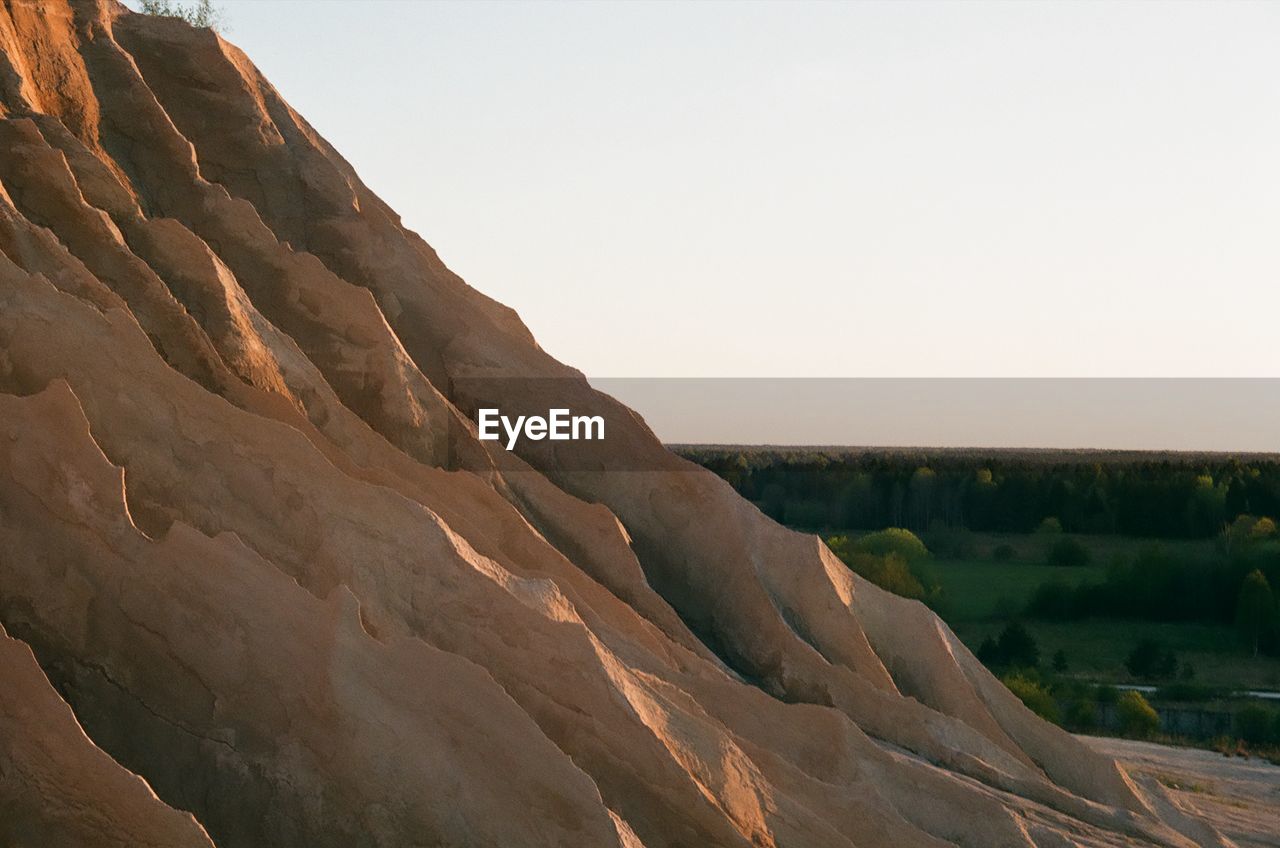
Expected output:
(823, 189)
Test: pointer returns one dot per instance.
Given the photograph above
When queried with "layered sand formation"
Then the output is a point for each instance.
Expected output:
(262, 584)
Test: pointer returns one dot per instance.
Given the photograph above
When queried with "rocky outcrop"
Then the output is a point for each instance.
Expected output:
(252, 539)
(57, 787)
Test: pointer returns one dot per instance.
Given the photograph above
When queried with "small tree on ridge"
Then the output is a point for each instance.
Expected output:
(201, 13)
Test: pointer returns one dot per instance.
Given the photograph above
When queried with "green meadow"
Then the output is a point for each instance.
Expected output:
(979, 596)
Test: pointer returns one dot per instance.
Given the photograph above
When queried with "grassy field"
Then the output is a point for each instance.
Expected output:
(980, 596)
(1097, 648)
(975, 590)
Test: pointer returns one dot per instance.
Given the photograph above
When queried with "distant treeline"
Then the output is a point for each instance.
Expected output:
(1172, 496)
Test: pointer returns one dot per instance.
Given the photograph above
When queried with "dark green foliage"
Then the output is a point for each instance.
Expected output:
(1067, 552)
(988, 652)
(1050, 526)
(951, 543)
(1258, 725)
(1248, 532)
(1134, 494)
(811, 515)
(1160, 586)
(1256, 609)
(1081, 715)
(1002, 553)
(1075, 700)
(1016, 648)
(1059, 661)
(1054, 601)
(1150, 660)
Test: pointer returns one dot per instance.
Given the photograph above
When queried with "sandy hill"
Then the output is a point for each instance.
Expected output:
(261, 584)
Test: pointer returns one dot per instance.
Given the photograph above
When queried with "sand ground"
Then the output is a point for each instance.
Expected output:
(1240, 796)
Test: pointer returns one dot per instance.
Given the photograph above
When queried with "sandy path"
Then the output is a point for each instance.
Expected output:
(1240, 796)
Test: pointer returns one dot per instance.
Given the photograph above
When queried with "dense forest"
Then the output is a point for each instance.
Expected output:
(1169, 496)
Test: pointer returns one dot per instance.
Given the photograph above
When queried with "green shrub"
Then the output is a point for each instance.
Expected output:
(1002, 553)
(1050, 526)
(888, 572)
(1246, 530)
(1053, 600)
(1034, 695)
(894, 540)
(1082, 715)
(1016, 648)
(1137, 718)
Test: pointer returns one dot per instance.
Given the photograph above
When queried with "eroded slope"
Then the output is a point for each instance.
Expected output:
(251, 536)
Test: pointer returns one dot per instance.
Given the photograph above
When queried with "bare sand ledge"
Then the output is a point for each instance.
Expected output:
(1241, 797)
